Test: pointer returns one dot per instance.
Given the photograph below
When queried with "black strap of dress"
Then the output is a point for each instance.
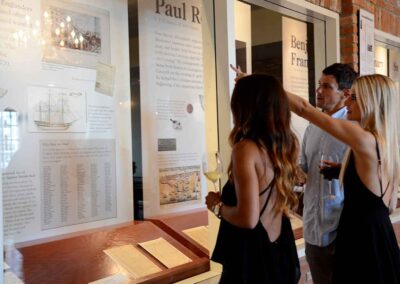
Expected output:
(380, 169)
(269, 195)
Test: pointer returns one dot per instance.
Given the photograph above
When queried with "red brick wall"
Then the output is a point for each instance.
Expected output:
(334, 5)
(387, 19)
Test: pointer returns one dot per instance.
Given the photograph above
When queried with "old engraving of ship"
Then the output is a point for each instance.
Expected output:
(54, 113)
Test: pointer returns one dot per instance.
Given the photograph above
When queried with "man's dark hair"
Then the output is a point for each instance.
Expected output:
(343, 73)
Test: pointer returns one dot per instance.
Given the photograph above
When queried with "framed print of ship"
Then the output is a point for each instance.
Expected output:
(75, 34)
(56, 109)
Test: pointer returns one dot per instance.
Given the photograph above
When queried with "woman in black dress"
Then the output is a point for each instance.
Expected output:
(255, 241)
(366, 246)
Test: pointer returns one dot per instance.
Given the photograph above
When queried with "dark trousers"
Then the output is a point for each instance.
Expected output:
(320, 260)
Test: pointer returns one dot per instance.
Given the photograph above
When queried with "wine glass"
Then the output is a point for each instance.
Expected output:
(323, 165)
(212, 167)
(301, 177)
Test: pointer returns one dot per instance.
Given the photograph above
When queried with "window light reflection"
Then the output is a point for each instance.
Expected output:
(9, 133)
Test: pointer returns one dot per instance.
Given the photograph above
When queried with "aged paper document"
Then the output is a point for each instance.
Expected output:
(166, 253)
(11, 278)
(5, 266)
(132, 260)
(113, 279)
(105, 75)
(199, 234)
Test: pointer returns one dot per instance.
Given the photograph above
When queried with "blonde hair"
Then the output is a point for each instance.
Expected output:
(378, 100)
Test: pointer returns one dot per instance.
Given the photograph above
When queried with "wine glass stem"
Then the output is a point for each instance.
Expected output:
(215, 186)
(331, 190)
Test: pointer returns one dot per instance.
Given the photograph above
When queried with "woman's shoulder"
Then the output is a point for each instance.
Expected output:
(366, 146)
(247, 150)
(245, 146)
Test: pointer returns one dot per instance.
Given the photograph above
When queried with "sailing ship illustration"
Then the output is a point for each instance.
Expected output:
(54, 113)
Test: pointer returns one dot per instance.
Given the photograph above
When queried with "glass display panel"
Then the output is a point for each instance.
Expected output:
(65, 117)
(173, 55)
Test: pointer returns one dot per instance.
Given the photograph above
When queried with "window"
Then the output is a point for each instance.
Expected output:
(9, 135)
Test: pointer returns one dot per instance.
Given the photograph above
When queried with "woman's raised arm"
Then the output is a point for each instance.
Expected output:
(349, 132)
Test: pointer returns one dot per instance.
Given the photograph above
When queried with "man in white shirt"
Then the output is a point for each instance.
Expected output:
(323, 200)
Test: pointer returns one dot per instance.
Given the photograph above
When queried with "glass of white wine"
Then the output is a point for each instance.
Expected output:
(212, 167)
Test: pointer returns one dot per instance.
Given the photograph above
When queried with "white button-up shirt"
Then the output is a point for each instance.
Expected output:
(321, 212)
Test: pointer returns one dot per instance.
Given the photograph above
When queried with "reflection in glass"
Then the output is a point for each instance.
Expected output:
(9, 134)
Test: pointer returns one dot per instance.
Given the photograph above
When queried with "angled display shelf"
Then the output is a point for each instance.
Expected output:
(176, 224)
(81, 259)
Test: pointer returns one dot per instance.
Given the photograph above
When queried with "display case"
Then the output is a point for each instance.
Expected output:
(82, 258)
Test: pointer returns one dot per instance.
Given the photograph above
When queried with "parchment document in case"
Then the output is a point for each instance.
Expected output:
(132, 260)
(199, 234)
(166, 253)
(5, 266)
(105, 75)
(11, 278)
(113, 279)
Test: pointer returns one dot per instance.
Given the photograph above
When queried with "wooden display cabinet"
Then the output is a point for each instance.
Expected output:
(81, 258)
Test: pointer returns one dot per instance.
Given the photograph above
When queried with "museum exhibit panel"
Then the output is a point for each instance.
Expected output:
(65, 116)
(67, 186)
(64, 89)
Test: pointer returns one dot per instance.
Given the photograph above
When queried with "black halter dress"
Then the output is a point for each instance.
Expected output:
(248, 256)
(366, 246)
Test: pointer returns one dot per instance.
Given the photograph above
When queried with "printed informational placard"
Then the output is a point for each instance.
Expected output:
(381, 60)
(66, 149)
(366, 31)
(295, 65)
(171, 86)
(88, 166)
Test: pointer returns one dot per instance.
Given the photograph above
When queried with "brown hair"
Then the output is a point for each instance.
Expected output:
(261, 113)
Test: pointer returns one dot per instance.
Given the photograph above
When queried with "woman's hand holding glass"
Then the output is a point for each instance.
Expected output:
(212, 199)
(329, 168)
